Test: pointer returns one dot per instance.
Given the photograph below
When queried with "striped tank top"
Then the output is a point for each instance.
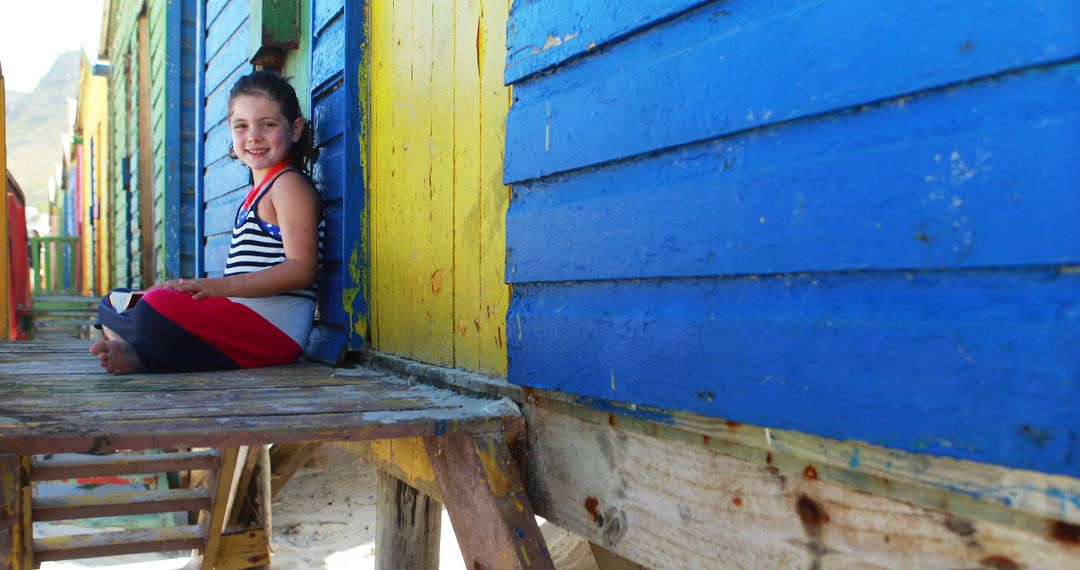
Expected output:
(257, 244)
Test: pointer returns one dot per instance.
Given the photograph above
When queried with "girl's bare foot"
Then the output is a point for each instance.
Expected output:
(117, 356)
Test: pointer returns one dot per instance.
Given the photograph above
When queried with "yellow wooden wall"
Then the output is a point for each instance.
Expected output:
(437, 203)
(93, 124)
(5, 263)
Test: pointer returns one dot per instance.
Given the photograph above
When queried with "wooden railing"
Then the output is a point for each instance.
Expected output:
(53, 265)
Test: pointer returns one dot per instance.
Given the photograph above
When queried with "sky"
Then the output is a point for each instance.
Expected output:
(34, 32)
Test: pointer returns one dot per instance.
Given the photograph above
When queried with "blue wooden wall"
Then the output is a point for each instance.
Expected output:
(180, 73)
(336, 62)
(336, 58)
(845, 217)
(225, 181)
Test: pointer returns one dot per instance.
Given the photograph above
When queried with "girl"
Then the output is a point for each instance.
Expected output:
(260, 313)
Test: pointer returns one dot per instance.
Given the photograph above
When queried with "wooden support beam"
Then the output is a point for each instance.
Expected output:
(486, 500)
(407, 526)
(670, 504)
(243, 550)
(608, 560)
(15, 525)
(286, 460)
(212, 523)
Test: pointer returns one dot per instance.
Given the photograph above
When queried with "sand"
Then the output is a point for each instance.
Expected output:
(324, 519)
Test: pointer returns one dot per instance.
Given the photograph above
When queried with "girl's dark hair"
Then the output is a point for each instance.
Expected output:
(276, 88)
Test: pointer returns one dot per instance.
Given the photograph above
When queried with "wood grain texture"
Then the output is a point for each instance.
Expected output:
(15, 523)
(198, 411)
(244, 550)
(1008, 497)
(886, 358)
(834, 194)
(486, 501)
(670, 505)
(407, 526)
(837, 54)
(116, 543)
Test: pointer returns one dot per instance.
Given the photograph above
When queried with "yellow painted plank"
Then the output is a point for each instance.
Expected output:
(437, 233)
(495, 101)
(466, 185)
(5, 263)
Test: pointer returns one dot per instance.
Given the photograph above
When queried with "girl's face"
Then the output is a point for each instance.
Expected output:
(261, 134)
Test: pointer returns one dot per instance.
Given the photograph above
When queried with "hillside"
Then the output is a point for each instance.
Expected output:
(35, 122)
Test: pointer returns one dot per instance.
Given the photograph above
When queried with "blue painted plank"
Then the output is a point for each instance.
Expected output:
(216, 251)
(328, 111)
(217, 102)
(228, 23)
(324, 11)
(975, 365)
(329, 171)
(224, 176)
(217, 142)
(326, 344)
(213, 8)
(707, 74)
(978, 176)
(335, 228)
(331, 309)
(231, 56)
(328, 53)
(543, 34)
(221, 212)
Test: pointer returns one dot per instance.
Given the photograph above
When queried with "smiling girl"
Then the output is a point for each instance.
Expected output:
(260, 312)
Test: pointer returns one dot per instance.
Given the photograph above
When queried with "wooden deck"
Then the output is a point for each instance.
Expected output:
(56, 398)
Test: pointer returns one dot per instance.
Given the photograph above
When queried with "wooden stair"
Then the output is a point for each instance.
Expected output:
(211, 504)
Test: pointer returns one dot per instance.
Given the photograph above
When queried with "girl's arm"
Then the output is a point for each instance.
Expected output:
(294, 207)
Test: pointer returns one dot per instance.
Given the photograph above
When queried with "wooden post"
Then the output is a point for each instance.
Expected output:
(407, 526)
(16, 530)
(486, 500)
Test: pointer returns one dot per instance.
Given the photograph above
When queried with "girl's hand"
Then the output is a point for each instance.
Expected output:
(208, 287)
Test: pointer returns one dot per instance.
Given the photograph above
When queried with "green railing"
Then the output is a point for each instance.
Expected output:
(53, 265)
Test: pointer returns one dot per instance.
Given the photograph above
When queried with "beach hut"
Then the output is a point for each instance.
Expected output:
(150, 143)
(92, 130)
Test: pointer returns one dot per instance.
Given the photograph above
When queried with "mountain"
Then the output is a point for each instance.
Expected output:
(35, 123)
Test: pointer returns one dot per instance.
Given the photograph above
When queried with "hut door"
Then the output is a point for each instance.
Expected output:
(437, 202)
(146, 159)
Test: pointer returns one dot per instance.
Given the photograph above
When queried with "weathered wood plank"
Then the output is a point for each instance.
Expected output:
(243, 550)
(212, 523)
(608, 560)
(286, 460)
(223, 431)
(116, 504)
(486, 501)
(49, 468)
(1009, 497)
(15, 525)
(45, 413)
(669, 504)
(407, 526)
(116, 543)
